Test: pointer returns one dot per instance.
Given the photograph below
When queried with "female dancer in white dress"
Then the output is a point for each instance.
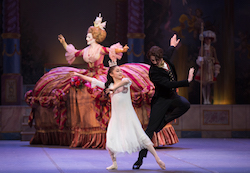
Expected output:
(124, 133)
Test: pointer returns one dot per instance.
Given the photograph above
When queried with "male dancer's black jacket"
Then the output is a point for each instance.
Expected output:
(161, 79)
(165, 98)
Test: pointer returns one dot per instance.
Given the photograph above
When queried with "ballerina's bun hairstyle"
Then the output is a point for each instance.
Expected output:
(98, 34)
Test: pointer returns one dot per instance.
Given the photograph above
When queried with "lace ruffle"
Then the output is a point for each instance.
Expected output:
(70, 54)
(112, 55)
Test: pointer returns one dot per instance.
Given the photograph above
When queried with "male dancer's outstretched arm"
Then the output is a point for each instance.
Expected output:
(164, 94)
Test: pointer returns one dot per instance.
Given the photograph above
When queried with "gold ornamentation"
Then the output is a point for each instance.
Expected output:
(10, 35)
(136, 35)
(10, 54)
(136, 55)
(91, 64)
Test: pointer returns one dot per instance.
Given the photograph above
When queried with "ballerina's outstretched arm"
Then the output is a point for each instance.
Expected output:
(84, 77)
(94, 82)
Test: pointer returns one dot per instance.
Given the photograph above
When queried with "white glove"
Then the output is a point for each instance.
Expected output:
(200, 58)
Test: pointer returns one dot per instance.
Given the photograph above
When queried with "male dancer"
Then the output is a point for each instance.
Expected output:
(166, 104)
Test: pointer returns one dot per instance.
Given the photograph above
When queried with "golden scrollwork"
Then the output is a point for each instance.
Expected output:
(135, 54)
(10, 54)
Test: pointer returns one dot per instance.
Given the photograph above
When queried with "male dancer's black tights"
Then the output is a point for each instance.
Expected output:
(159, 116)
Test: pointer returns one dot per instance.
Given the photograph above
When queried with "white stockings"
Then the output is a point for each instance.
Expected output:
(113, 158)
(206, 90)
(151, 149)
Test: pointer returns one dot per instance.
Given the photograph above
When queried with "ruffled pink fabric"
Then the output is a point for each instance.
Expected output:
(112, 55)
(70, 54)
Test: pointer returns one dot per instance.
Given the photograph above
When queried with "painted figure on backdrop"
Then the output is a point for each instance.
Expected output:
(52, 90)
(193, 23)
(244, 46)
(157, 12)
(166, 104)
(210, 65)
(124, 133)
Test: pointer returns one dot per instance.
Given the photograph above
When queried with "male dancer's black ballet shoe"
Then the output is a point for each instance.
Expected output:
(137, 164)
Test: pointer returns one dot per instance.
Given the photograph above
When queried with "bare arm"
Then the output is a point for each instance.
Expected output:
(84, 77)
(124, 49)
(62, 41)
(94, 82)
(121, 50)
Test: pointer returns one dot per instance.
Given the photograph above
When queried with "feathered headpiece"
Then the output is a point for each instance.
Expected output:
(98, 22)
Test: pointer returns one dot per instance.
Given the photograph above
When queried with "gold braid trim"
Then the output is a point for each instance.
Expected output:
(10, 54)
(10, 35)
(136, 35)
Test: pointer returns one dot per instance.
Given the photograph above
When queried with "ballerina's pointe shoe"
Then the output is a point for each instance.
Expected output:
(112, 167)
(161, 164)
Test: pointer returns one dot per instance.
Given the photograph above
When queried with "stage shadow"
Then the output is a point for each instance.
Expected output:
(171, 148)
(59, 147)
(151, 171)
(80, 148)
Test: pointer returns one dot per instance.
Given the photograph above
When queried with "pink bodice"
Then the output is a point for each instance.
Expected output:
(93, 56)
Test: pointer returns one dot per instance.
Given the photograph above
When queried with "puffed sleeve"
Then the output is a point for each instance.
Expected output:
(112, 55)
(98, 83)
(70, 53)
(127, 85)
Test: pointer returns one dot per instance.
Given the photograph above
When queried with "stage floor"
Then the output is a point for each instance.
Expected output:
(188, 156)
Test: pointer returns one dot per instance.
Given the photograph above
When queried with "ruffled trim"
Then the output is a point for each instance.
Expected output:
(129, 150)
(70, 54)
(166, 136)
(112, 55)
(57, 100)
(145, 141)
(72, 138)
(94, 139)
(52, 137)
